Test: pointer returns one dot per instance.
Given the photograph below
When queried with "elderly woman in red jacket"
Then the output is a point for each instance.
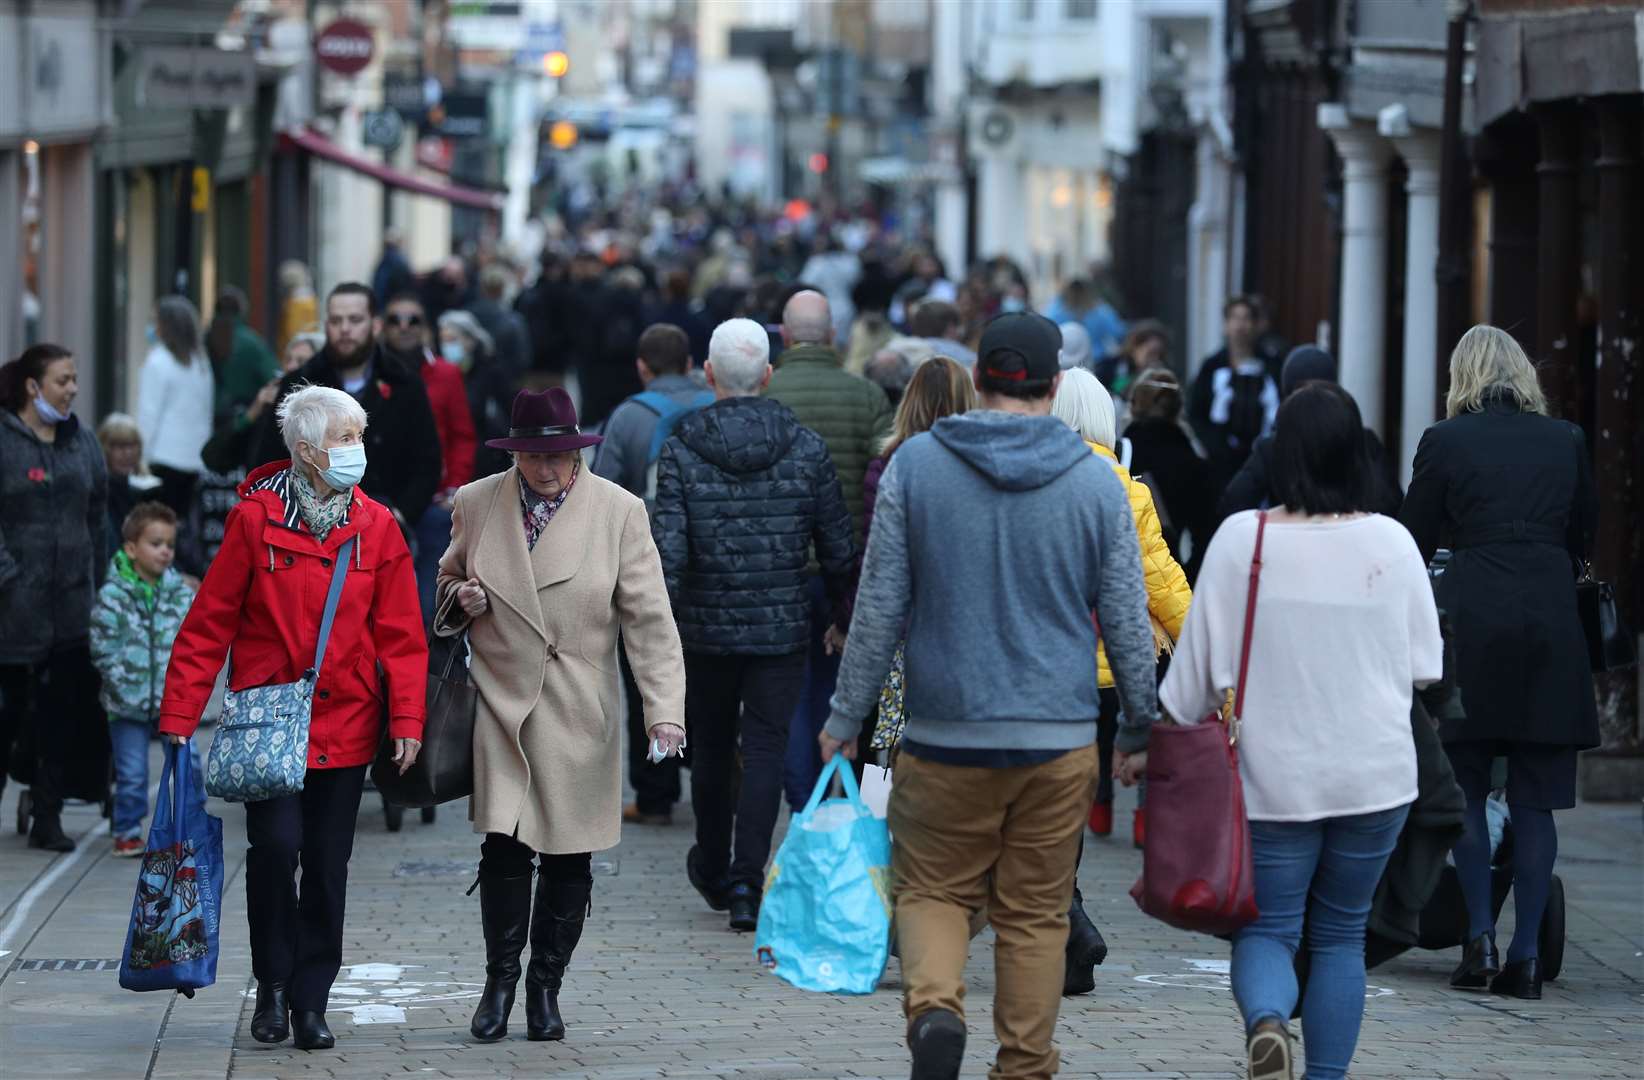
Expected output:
(263, 598)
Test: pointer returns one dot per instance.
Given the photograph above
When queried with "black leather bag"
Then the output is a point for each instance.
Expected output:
(444, 769)
(1610, 642)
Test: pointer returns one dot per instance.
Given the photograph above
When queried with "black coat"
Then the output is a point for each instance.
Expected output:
(403, 466)
(1521, 657)
(742, 491)
(54, 541)
(1161, 451)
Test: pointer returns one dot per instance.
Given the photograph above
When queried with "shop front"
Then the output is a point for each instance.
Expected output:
(54, 103)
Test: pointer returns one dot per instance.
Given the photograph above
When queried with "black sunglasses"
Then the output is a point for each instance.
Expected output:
(405, 320)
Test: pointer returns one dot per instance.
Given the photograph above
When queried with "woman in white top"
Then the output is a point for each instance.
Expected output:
(175, 399)
(1345, 626)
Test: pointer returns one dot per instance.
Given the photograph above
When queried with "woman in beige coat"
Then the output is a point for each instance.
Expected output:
(547, 563)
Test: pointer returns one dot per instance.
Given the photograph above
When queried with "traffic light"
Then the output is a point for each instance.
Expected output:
(555, 64)
(562, 135)
(818, 163)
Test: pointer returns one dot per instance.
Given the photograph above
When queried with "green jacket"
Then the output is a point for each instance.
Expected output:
(251, 366)
(132, 627)
(852, 415)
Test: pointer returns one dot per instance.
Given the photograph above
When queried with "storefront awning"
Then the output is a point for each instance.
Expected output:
(321, 147)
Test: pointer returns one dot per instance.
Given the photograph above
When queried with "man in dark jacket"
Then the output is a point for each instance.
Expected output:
(403, 461)
(742, 493)
(1250, 488)
(507, 327)
(1235, 396)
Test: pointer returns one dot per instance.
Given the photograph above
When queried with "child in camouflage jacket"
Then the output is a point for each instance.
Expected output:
(138, 612)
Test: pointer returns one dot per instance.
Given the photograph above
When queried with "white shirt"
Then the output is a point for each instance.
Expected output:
(174, 409)
(1345, 628)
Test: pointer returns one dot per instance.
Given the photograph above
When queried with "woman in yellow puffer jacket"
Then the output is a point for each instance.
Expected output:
(1083, 404)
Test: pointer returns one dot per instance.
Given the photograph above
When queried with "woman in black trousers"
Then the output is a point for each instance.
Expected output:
(1511, 491)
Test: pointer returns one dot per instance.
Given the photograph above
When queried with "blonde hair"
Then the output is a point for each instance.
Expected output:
(119, 427)
(1487, 361)
(1083, 404)
(940, 387)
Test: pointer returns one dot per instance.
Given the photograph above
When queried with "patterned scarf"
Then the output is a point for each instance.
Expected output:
(540, 509)
(320, 513)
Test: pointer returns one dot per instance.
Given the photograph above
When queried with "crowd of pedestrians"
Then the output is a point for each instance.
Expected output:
(795, 492)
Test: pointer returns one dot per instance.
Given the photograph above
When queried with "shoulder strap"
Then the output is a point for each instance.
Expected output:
(339, 573)
(651, 399)
(1249, 623)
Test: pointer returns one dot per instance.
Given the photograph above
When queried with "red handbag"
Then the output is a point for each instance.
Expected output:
(1196, 867)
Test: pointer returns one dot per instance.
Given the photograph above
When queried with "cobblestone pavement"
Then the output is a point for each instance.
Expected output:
(660, 988)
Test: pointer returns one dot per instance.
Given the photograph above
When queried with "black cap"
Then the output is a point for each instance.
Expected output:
(1305, 364)
(1019, 346)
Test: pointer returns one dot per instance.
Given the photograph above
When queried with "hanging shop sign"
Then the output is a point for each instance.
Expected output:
(345, 47)
(383, 128)
(180, 77)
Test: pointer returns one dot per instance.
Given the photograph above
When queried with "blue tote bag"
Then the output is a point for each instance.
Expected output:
(825, 921)
(172, 941)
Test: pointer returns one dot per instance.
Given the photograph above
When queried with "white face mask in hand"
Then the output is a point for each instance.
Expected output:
(658, 755)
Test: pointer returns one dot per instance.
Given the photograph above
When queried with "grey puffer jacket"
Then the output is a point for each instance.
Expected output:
(53, 537)
(742, 491)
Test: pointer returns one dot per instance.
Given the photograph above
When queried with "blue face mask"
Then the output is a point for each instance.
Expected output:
(456, 353)
(48, 412)
(347, 466)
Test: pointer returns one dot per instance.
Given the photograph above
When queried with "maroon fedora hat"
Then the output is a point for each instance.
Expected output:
(544, 422)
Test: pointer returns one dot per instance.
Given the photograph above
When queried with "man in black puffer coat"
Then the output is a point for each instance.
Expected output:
(742, 492)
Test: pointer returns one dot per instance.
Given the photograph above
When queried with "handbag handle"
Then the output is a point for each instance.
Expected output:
(1249, 629)
(837, 765)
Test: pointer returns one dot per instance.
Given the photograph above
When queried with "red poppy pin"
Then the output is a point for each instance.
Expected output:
(385, 390)
(38, 475)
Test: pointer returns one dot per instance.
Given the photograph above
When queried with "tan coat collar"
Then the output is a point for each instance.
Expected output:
(501, 555)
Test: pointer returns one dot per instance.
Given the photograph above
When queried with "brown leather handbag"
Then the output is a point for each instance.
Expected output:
(1196, 866)
(444, 769)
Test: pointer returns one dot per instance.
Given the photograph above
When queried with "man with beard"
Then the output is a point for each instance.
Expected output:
(403, 463)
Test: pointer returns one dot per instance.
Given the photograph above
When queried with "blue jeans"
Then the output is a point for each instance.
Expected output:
(433, 534)
(129, 740)
(803, 761)
(1325, 872)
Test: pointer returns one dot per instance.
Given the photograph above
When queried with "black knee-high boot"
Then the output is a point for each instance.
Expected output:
(556, 927)
(505, 914)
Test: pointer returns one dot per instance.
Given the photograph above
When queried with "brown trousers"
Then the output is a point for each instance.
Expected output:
(1006, 840)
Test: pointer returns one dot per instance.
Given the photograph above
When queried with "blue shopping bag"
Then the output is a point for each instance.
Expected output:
(825, 921)
(172, 941)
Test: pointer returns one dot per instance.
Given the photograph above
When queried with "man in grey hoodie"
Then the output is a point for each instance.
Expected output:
(999, 543)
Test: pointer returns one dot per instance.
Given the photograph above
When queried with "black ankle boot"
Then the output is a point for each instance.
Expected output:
(47, 834)
(1085, 950)
(271, 1022)
(556, 927)
(1520, 979)
(1478, 962)
(310, 1030)
(505, 915)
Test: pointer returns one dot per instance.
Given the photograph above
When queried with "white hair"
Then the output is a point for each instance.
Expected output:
(1077, 351)
(740, 352)
(310, 413)
(1083, 404)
